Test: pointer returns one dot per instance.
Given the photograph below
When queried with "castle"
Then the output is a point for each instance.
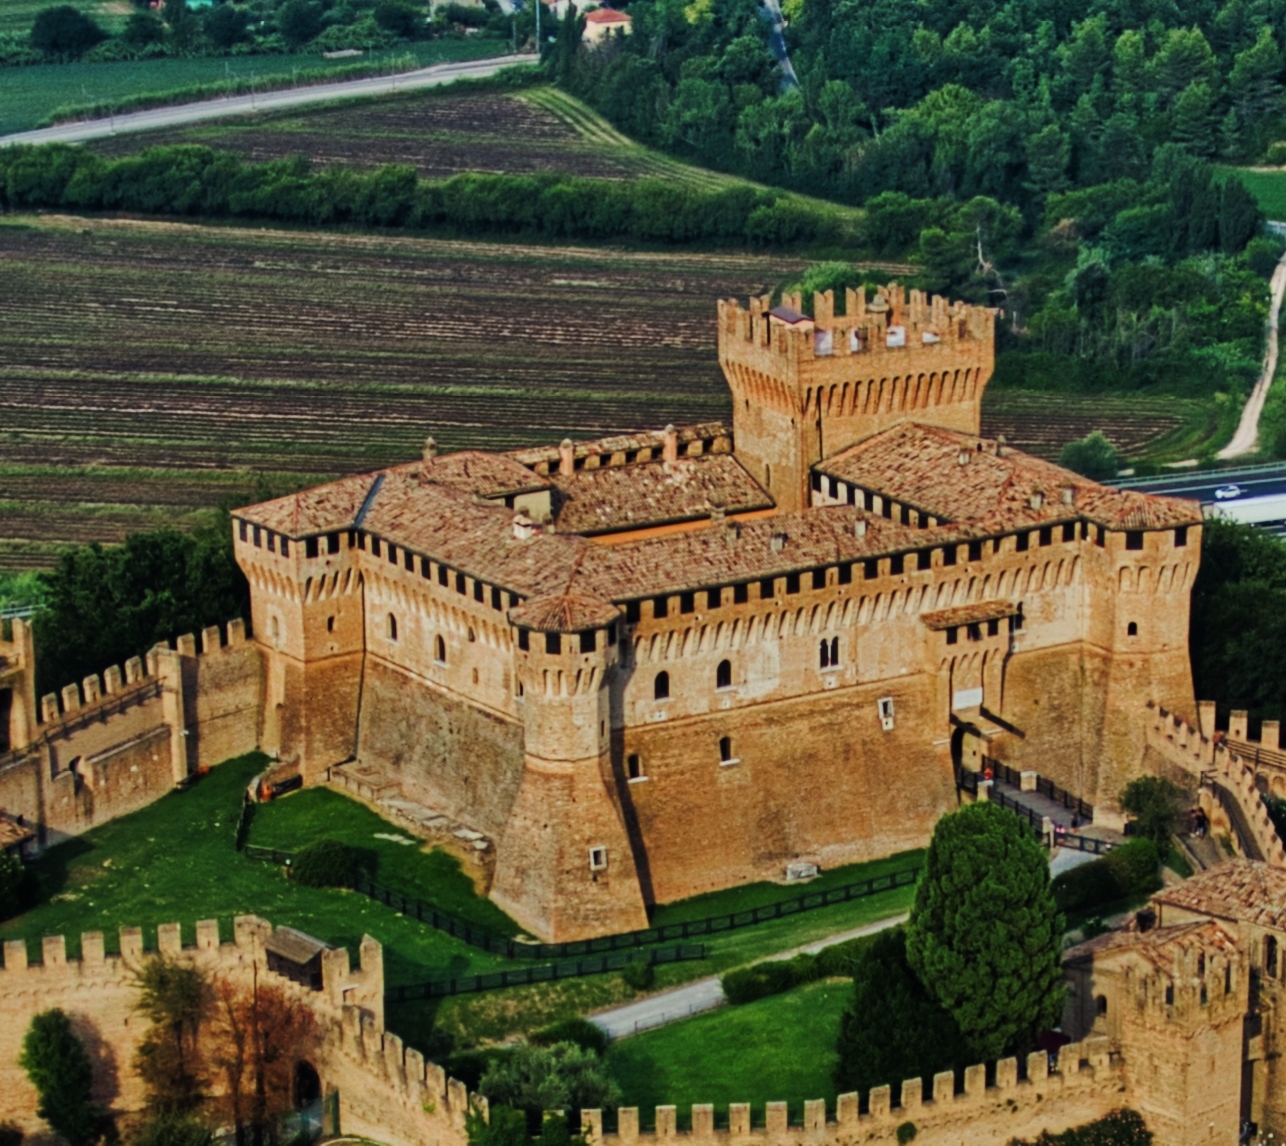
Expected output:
(659, 664)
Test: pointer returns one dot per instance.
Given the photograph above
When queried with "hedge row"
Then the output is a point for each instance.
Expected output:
(1130, 870)
(198, 181)
(746, 984)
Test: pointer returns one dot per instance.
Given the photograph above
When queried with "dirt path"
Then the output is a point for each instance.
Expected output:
(1246, 439)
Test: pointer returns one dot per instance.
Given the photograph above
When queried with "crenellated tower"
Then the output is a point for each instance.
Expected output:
(805, 388)
(565, 868)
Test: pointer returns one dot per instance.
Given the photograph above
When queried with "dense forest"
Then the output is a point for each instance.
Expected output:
(1059, 159)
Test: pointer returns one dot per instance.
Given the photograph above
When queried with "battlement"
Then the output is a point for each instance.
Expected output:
(1089, 1072)
(113, 686)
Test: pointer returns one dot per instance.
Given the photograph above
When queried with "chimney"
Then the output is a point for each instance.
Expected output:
(963, 459)
(1000, 445)
(716, 515)
(524, 530)
(566, 457)
(778, 542)
(859, 527)
(430, 449)
(1069, 495)
(670, 444)
(1037, 499)
(731, 531)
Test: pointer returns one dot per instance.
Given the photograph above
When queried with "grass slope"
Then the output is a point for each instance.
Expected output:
(777, 1049)
(29, 95)
(1268, 186)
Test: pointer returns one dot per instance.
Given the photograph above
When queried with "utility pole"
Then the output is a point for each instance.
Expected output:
(538, 5)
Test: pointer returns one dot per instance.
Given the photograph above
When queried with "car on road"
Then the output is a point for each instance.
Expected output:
(1227, 492)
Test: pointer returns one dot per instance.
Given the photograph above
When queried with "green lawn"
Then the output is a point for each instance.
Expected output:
(319, 813)
(28, 95)
(773, 1050)
(174, 861)
(1269, 187)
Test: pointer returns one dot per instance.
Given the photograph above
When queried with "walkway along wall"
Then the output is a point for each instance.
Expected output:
(114, 743)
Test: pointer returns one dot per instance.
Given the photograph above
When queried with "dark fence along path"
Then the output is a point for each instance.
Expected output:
(486, 940)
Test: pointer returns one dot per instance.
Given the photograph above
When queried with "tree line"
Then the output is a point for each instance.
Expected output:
(198, 181)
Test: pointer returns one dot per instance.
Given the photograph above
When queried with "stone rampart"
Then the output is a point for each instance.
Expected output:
(118, 740)
(993, 1105)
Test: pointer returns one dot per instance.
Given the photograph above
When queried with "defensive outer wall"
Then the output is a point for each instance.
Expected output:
(388, 1092)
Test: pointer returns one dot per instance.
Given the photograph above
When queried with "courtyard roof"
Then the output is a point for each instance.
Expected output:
(1246, 891)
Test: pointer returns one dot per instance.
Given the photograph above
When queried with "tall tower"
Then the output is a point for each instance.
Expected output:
(565, 867)
(806, 388)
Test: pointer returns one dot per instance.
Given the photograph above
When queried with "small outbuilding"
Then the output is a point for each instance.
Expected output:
(602, 22)
(296, 956)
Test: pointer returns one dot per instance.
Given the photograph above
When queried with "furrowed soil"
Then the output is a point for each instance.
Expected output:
(440, 133)
(149, 369)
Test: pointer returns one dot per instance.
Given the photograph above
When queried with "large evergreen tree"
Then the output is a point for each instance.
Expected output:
(984, 935)
(60, 1069)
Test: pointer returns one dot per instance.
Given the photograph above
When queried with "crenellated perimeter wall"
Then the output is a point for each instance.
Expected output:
(118, 740)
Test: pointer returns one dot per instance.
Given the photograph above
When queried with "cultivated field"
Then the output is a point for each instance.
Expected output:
(441, 133)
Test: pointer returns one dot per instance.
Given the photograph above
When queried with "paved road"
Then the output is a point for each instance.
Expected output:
(186, 113)
(1246, 439)
(1201, 484)
(705, 994)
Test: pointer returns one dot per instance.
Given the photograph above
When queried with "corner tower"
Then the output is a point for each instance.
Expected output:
(805, 388)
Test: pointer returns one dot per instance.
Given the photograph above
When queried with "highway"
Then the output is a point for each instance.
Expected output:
(181, 114)
(1259, 497)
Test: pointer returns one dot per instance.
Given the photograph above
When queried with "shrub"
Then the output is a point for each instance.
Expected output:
(1261, 255)
(561, 1077)
(1129, 870)
(906, 1133)
(579, 1031)
(60, 1069)
(398, 18)
(64, 31)
(173, 1130)
(330, 863)
(1156, 804)
(746, 984)
(639, 976)
(840, 960)
(1122, 1127)
(1093, 456)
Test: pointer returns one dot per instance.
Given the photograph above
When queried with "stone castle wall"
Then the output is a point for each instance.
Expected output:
(118, 740)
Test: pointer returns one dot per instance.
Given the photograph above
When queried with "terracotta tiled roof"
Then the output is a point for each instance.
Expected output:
(487, 475)
(607, 16)
(958, 477)
(1160, 946)
(318, 510)
(1239, 889)
(969, 614)
(13, 833)
(655, 493)
(622, 443)
(568, 613)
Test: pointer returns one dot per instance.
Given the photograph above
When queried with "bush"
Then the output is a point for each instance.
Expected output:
(330, 863)
(639, 976)
(1122, 1127)
(906, 1133)
(18, 886)
(173, 1130)
(1156, 805)
(579, 1031)
(1261, 255)
(1093, 456)
(64, 31)
(398, 18)
(746, 984)
(61, 1071)
(1129, 870)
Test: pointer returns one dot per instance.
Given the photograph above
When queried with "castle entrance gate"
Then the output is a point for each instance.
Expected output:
(967, 748)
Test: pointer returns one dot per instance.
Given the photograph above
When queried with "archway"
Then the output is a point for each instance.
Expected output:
(307, 1087)
(967, 749)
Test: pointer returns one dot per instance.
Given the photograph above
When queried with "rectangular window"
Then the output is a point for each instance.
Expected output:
(242, 529)
(495, 598)
(949, 555)
(272, 542)
(258, 538)
(1015, 622)
(868, 500)
(426, 568)
(1020, 543)
(611, 635)
(887, 509)
(1134, 539)
(792, 582)
(871, 569)
(852, 495)
(524, 641)
(924, 559)
(767, 589)
(844, 574)
(953, 636)
(1100, 536)
(332, 543)
(975, 551)
(687, 602)
(975, 632)
(1069, 531)
(461, 583)
(597, 859)
(993, 628)
(479, 590)
(361, 541)
(392, 554)
(906, 515)
(514, 600)
(408, 560)
(714, 598)
(633, 613)
(1181, 536)
(1047, 535)
(588, 641)
(352, 538)
(819, 578)
(444, 575)
(553, 643)
(660, 607)
(740, 594)
(310, 547)
(817, 483)
(897, 563)
(285, 546)
(375, 546)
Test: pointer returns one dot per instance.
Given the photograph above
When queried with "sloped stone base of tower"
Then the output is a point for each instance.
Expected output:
(546, 877)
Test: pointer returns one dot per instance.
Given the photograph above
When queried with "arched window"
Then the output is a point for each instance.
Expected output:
(725, 749)
(1132, 629)
(472, 635)
(1100, 1005)
(274, 626)
(723, 675)
(661, 686)
(824, 654)
(392, 627)
(834, 651)
(439, 650)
